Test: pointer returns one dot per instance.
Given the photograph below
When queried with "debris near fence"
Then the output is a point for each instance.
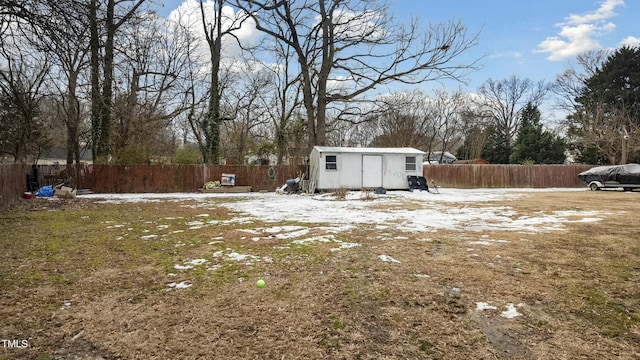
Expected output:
(65, 192)
(59, 191)
(294, 186)
(227, 184)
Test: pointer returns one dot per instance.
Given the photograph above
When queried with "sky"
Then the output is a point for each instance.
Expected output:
(536, 39)
(531, 39)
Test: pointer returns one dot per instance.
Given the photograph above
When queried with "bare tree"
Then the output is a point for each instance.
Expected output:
(399, 131)
(602, 125)
(149, 92)
(194, 83)
(25, 17)
(475, 129)
(608, 130)
(116, 13)
(245, 103)
(445, 112)
(401, 121)
(346, 48)
(505, 99)
(570, 84)
(55, 29)
(431, 123)
(214, 32)
(64, 39)
(22, 80)
(285, 102)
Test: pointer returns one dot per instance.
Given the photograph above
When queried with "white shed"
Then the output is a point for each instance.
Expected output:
(356, 168)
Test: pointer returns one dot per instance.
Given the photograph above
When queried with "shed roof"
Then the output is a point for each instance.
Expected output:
(371, 150)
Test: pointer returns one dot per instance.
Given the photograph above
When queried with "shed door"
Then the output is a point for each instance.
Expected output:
(371, 171)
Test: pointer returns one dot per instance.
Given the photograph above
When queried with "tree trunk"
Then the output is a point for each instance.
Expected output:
(212, 126)
(73, 119)
(96, 103)
(211, 121)
(107, 85)
(625, 150)
(323, 76)
(281, 142)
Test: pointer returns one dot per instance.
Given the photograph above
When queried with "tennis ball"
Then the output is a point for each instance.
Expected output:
(260, 283)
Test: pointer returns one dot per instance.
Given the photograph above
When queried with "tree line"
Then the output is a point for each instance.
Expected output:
(241, 81)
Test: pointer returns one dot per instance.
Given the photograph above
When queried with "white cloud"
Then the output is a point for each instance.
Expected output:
(605, 11)
(188, 14)
(578, 34)
(351, 24)
(630, 41)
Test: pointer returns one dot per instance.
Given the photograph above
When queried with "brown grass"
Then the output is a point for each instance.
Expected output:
(77, 285)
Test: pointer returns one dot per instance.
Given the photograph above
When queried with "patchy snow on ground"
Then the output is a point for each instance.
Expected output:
(487, 242)
(511, 312)
(231, 255)
(387, 258)
(344, 245)
(417, 212)
(484, 306)
(180, 285)
(281, 232)
(323, 218)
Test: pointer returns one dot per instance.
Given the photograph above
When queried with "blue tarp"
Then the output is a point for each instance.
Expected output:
(45, 191)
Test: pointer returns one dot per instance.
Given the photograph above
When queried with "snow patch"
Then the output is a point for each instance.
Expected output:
(511, 312)
(180, 285)
(387, 258)
(345, 245)
(488, 242)
(449, 210)
(322, 238)
(182, 267)
(231, 255)
(484, 306)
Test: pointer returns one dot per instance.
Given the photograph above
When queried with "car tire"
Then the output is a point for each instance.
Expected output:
(594, 186)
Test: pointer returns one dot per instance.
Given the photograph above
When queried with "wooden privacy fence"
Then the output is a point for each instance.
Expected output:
(182, 178)
(13, 182)
(188, 178)
(140, 178)
(501, 176)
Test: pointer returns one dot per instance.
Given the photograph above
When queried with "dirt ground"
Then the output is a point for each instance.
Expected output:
(87, 280)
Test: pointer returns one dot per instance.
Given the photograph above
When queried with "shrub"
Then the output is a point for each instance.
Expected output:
(187, 156)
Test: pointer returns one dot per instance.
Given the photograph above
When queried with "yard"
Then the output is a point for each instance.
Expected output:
(472, 274)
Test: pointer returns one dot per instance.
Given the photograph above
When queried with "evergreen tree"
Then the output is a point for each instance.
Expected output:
(496, 150)
(605, 126)
(534, 143)
(617, 83)
(553, 149)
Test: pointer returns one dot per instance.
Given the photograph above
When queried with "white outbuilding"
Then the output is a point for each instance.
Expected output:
(352, 168)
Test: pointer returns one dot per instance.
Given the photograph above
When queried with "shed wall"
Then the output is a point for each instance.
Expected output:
(347, 175)
(395, 173)
(349, 172)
